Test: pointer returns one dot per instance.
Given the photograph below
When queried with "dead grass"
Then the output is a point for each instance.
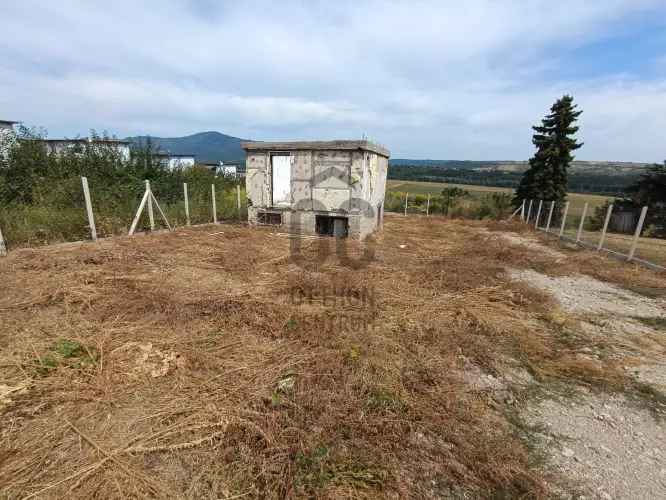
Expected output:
(202, 365)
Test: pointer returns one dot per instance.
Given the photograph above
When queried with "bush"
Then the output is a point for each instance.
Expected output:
(42, 197)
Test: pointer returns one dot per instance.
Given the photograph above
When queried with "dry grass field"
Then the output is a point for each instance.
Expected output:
(213, 362)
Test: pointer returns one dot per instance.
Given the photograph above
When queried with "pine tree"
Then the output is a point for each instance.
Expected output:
(546, 177)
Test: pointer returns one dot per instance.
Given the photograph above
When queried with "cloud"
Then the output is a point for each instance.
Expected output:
(427, 78)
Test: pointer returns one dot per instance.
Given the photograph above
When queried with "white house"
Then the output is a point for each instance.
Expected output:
(7, 125)
(60, 146)
(173, 161)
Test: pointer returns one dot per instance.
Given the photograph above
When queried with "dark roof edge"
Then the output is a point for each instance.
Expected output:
(315, 145)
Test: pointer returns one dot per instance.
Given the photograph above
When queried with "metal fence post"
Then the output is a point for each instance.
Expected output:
(89, 209)
(603, 232)
(406, 197)
(536, 223)
(529, 211)
(187, 203)
(151, 217)
(564, 218)
(582, 223)
(550, 215)
(212, 190)
(637, 234)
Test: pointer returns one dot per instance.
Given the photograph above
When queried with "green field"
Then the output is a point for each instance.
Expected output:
(577, 200)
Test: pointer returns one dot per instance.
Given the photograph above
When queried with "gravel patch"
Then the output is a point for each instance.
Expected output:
(604, 446)
(583, 294)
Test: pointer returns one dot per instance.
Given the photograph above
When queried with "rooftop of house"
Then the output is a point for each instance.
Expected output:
(162, 154)
(88, 139)
(8, 122)
(315, 145)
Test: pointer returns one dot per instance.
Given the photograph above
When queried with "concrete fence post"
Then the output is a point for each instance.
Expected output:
(603, 231)
(637, 233)
(151, 216)
(3, 245)
(89, 209)
(564, 218)
(550, 215)
(582, 223)
(538, 215)
(522, 210)
(406, 198)
(529, 211)
(238, 200)
(212, 191)
(187, 203)
(428, 205)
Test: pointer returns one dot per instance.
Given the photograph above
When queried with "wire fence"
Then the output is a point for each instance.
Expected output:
(620, 234)
(143, 210)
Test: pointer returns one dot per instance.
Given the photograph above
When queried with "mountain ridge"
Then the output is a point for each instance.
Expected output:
(213, 146)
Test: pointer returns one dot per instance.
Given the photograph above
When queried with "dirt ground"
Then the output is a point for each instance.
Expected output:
(443, 359)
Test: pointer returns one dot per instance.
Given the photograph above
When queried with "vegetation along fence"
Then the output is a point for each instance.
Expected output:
(27, 225)
(623, 235)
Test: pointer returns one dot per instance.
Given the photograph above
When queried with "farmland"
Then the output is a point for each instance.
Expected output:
(444, 358)
(577, 200)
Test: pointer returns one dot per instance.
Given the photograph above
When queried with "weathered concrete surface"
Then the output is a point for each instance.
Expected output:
(334, 178)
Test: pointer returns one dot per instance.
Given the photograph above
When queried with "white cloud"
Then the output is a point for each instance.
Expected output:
(429, 79)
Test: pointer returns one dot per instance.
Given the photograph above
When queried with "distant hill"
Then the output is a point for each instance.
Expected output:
(205, 146)
(577, 167)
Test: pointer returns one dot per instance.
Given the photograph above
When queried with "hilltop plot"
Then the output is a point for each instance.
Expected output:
(443, 359)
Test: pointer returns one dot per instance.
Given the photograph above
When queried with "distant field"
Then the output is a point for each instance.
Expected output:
(577, 200)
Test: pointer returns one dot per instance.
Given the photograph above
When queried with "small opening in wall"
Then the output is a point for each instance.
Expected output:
(327, 225)
(269, 218)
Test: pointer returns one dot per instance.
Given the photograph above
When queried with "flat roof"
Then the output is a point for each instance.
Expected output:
(87, 139)
(315, 145)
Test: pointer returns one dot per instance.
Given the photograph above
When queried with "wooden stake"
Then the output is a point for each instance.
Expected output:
(582, 223)
(564, 218)
(3, 245)
(406, 197)
(637, 233)
(428, 205)
(536, 223)
(187, 204)
(529, 211)
(160, 211)
(603, 232)
(212, 190)
(89, 209)
(151, 217)
(138, 212)
(238, 200)
(550, 215)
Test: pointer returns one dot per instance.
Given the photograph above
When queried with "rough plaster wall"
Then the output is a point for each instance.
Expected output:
(301, 180)
(255, 179)
(332, 171)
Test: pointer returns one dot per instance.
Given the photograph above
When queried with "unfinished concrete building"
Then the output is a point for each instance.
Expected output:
(333, 188)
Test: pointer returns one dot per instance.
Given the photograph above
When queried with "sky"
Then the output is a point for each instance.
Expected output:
(428, 79)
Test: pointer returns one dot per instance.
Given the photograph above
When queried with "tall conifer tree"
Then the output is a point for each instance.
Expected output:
(546, 177)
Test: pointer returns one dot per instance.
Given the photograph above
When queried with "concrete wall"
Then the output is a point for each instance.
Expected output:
(349, 183)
